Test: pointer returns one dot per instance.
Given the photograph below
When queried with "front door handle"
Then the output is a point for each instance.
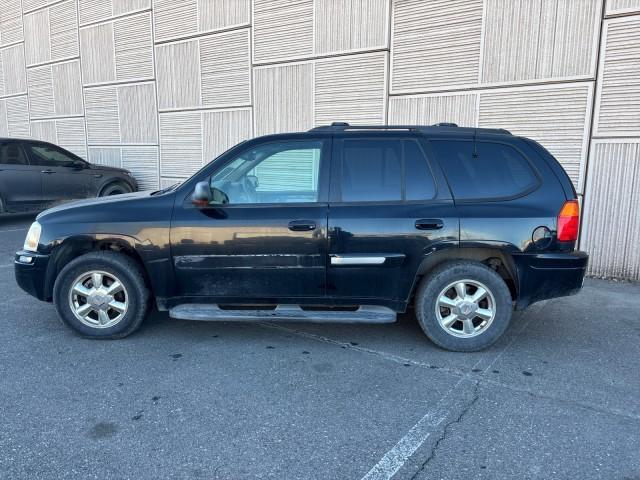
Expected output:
(46, 171)
(429, 224)
(302, 225)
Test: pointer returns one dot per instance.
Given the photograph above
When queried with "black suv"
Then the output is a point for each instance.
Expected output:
(35, 175)
(338, 224)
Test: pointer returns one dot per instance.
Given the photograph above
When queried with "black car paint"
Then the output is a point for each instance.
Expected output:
(34, 187)
(249, 254)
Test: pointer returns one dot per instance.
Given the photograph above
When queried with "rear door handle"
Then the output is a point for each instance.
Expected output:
(429, 224)
(302, 225)
(46, 171)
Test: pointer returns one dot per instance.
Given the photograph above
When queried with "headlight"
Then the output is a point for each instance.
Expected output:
(33, 238)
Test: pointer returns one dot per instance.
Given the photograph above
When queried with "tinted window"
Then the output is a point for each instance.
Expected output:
(495, 171)
(12, 154)
(419, 184)
(371, 170)
(285, 172)
(50, 156)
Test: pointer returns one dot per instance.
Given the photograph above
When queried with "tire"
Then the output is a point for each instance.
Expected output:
(2, 210)
(115, 188)
(459, 323)
(134, 295)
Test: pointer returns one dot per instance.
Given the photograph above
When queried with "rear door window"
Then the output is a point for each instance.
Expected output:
(12, 154)
(384, 170)
(492, 171)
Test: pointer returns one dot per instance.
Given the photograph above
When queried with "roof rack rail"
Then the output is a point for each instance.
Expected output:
(444, 124)
(340, 126)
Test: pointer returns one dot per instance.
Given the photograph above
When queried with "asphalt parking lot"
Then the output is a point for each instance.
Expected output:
(557, 397)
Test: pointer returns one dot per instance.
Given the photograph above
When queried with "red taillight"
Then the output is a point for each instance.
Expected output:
(569, 221)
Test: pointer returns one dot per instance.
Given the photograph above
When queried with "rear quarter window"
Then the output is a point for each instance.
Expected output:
(493, 171)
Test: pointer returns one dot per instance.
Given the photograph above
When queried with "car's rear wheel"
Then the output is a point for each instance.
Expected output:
(102, 295)
(116, 188)
(463, 306)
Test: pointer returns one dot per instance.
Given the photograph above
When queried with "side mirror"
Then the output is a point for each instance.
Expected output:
(253, 181)
(77, 164)
(201, 195)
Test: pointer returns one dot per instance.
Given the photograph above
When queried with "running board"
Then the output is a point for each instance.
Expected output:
(282, 313)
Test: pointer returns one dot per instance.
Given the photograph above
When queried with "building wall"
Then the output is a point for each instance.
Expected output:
(162, 86)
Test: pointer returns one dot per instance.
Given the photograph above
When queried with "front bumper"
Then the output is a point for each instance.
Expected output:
(549, 275)
(31, 273)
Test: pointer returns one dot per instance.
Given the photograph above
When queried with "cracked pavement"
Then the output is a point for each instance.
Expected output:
(557, 397)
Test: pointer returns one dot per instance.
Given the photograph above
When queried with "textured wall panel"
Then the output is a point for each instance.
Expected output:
(10, 22)
(133, 47)
(51, 33)
(91, 11)
(101, 112)
(44, 130)
(28, 5)
(351, 89)
(226, 69)
(178, 75)
(111, 156)
(97, 53)
(223, 129)
(223, 14)
(67, 88)
(17, 116)
(283, 98)
(282, 29)
(618, 99)
(435, 45)
(13, 76)
(612, 203)
(350, 25)
(622, 6)
(4, 128)
(137, 112)
(37, 39)
(69, 133)
(556, 116)
(180, 143)
(431, 109)
(527, 40)
(40, 84)
(143, 164)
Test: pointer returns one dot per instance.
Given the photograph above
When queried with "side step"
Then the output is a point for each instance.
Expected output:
(282, 313)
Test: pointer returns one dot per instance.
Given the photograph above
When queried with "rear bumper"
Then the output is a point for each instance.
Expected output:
(549, 275)
(30, 271)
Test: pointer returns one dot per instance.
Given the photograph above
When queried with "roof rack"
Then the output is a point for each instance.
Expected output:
(343, 126)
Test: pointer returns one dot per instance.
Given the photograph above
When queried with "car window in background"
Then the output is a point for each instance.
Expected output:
(12, 154)
(495, 171)
(371, 170)
(419, 183)
(285, 172)
(49, 156)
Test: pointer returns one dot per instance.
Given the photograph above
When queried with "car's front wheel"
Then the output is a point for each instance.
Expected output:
(116, 188)
(463, 306)
(102, 295)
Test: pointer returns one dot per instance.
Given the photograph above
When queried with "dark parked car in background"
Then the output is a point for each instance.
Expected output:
(35, 175)
(337, 224)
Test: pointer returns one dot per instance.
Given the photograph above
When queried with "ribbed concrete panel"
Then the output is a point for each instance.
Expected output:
(178, 75)
(17, 114)
(101, 113)
(180, 143)
(37, 40)
(143, 164)
(40, 83)
(72, 135)
(539, 40)
(63, 28)
(91, 11)
(350, 25)
(28, 5)
(435, 45)
(4, 128)
(612, 201)
(351, 89)
(617, 7)
(225, 69)
(133, 47)
(13, 76)
(282, 29)
(556, 116)
(137, 113)
(431, 109)
(111, 156)
(283, 98)
(169, 181)
(67, 88)
(97, 53)
(44, 130)
(11, 22)
(618, 98)
(222, 14)
(223, 129)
